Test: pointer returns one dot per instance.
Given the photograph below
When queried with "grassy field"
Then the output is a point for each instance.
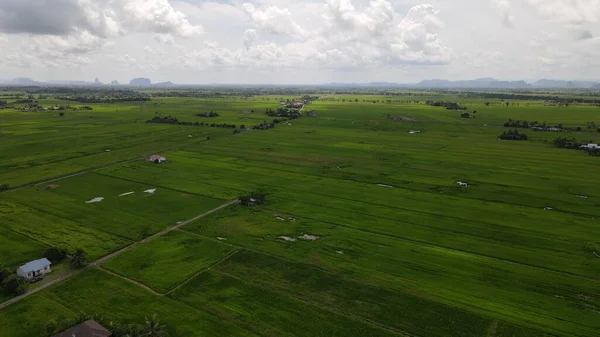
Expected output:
(182, 254)
(365, 231)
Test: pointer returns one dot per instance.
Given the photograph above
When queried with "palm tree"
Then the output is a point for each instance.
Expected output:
(78, 258)
(153, 328)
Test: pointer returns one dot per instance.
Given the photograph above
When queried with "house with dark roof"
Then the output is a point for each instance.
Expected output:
(34, 270)
(89, 328)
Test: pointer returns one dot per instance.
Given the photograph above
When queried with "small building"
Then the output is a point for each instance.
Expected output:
(591, 146)
(158, 159)
(34, 270)
(88, 328)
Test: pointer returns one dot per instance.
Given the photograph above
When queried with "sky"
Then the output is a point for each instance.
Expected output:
(299, 41)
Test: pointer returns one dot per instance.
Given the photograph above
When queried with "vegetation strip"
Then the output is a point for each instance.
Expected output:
(112, 255)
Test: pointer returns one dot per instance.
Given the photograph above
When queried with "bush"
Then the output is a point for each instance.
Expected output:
(51, 327)
(4, 187)
(14, 285)
(55, 254)
(4, 274)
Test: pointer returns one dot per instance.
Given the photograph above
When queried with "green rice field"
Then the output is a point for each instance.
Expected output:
(365, 231)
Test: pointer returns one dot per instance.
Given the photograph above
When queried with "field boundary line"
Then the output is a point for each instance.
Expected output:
(130, 280)
(114, 254)
(188, 280)
(323, 307)
(161, 186)
(93, 168)
(428, 244)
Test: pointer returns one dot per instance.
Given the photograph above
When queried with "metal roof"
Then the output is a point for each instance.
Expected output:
(35, 265)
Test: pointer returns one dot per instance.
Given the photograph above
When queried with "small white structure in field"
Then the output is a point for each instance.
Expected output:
(548, 208)
(412, 132)
(34, 270)
(461, 183)
(158, 159)
(590, 146)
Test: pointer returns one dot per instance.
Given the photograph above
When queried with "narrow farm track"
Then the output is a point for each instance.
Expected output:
(112, 255)
(200, 272)
(139, 284)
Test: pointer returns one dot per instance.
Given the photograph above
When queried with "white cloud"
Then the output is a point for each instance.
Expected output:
(299, 41)
(573, 12)
(275, 20)
(250, 37)
(505, 10)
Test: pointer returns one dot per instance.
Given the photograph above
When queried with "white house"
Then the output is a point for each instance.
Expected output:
(34, 270)
(155, 158)
(591, 146)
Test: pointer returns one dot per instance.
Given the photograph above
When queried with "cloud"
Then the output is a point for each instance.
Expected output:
(101, 18)
(571, 12)
(275, 20)
(504, 8)
(250, 37)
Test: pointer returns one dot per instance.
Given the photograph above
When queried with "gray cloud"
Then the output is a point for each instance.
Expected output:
(43, 17)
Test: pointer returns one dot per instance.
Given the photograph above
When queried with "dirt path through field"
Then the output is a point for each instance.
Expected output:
(114, 254)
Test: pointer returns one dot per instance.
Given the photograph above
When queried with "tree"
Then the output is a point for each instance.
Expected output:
(78, 258)
(14, 285)
(153, 328)
(4, 187)
(4, 273)
(55, 254)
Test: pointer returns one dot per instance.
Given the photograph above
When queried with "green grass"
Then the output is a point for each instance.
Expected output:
(265, 312)
(169, 260)
(400, 246)
(16, 248)
(96, 292)
(402, 311)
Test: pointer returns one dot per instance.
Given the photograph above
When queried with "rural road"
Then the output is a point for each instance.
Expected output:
(112, 255)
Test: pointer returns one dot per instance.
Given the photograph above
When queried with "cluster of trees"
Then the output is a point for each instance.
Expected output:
(254, 198)
(172, 120)
(150, 327)
(533, 96)
(4, 187)
(56, 254)
(129, 96)
(283, 112)
(524, 124)
(468, 115)
(447, 105)
(11, 283)
(513, 135)
(573, 144)
(207, 114)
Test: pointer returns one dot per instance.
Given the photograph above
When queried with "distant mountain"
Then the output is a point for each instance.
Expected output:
(480, 83)
(596, 86)
(23, 81)
(140, 82)
(115, 82)
(97, 81)
(168, 84)
(558, 84)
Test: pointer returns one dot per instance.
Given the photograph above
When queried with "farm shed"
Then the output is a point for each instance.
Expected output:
(34, 270)
(88, 328)
(158, 159)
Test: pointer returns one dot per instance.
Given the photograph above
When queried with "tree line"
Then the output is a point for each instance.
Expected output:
(150, 327)
(513, 135)
(447, 105)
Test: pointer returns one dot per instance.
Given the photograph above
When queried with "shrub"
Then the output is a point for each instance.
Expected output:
(14, 285)
(4, 187)
(55, 254)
